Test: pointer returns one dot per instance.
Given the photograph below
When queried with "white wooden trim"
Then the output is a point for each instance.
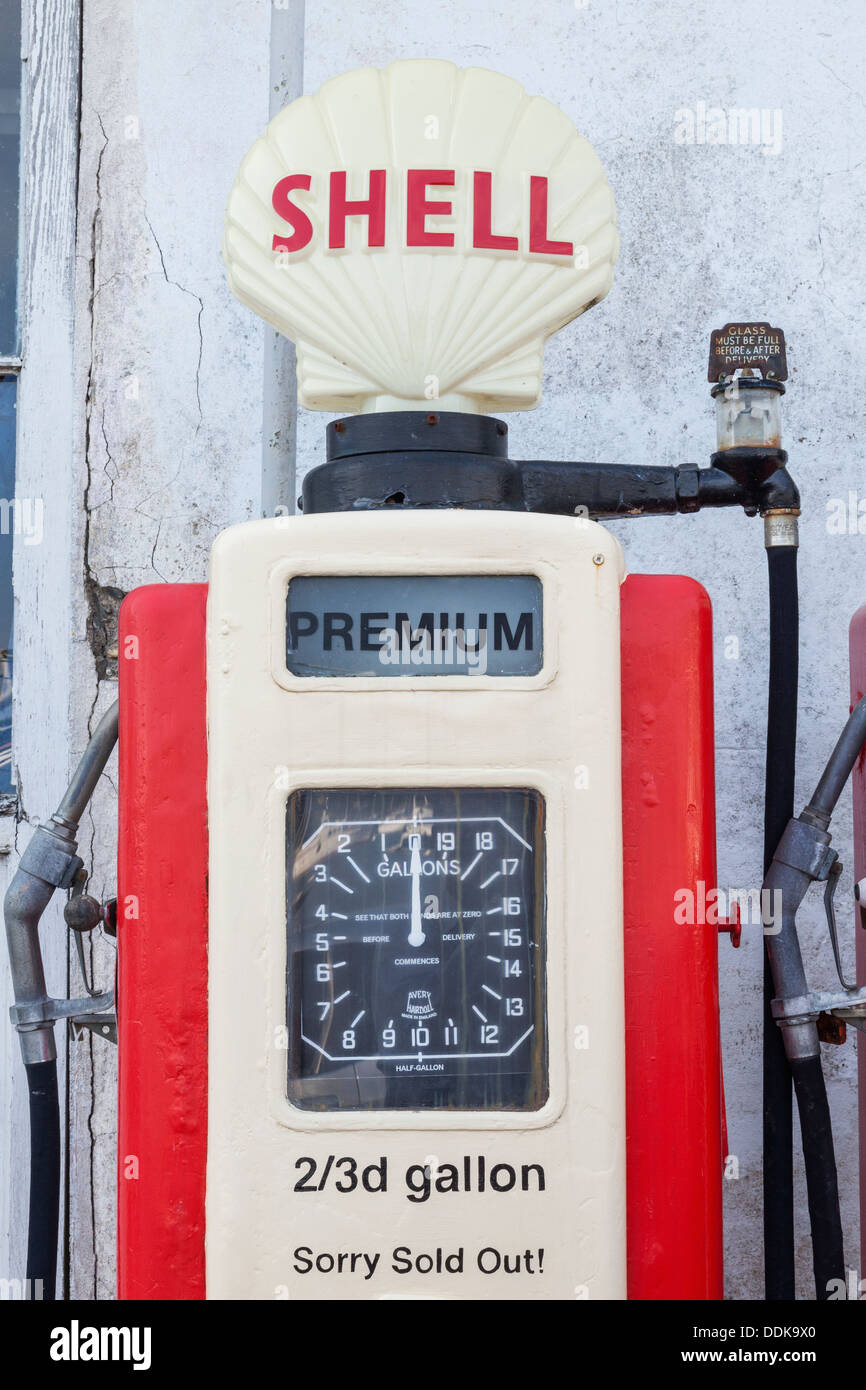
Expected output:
(42, 573)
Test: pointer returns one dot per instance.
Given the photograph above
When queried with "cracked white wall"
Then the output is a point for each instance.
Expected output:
(151, 439)
(171, 372)
(163, 446)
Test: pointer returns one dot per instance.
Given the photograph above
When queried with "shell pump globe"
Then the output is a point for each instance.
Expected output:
(419, 232)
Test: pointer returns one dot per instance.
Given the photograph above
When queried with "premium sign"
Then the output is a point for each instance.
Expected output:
(401, 625)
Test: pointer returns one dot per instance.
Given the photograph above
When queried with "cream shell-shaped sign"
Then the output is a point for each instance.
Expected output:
(419, 232)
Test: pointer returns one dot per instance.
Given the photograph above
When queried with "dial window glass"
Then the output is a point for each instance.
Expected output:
(416, 949)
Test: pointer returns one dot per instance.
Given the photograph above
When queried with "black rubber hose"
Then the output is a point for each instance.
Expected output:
(44, 1179)
(779, 1285)
(821, 1181)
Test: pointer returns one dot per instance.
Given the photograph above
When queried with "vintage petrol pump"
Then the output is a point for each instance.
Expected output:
(409, 790)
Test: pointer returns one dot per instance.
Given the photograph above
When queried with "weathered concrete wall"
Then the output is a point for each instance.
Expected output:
(175, 416)
(173, 372)
(168, 447)
(168, 434)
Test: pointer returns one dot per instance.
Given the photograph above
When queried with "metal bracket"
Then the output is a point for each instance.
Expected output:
(104, 1025)
(850, 1007)
(42, 1013)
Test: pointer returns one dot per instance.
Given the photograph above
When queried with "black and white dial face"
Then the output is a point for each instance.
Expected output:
(416, 948)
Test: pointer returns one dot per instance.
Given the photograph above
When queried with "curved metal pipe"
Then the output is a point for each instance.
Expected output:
(839, 767)
(49, 862)
(90, 768)
(26, 899)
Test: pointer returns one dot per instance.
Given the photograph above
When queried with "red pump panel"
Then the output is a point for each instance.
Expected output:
(673, 1071)
(857, 642)
(673, 1059)
(162, 944)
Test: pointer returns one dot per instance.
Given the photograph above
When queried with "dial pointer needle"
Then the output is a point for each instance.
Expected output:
(416, 935)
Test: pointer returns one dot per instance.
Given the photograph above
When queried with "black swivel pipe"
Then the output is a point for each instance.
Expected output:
(778, 1175)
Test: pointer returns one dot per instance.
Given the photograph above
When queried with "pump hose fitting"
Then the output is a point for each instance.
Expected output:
(803, 856)
(49, 862)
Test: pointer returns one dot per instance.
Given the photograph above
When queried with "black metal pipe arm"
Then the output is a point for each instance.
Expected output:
(754, 479)
(606, 490)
